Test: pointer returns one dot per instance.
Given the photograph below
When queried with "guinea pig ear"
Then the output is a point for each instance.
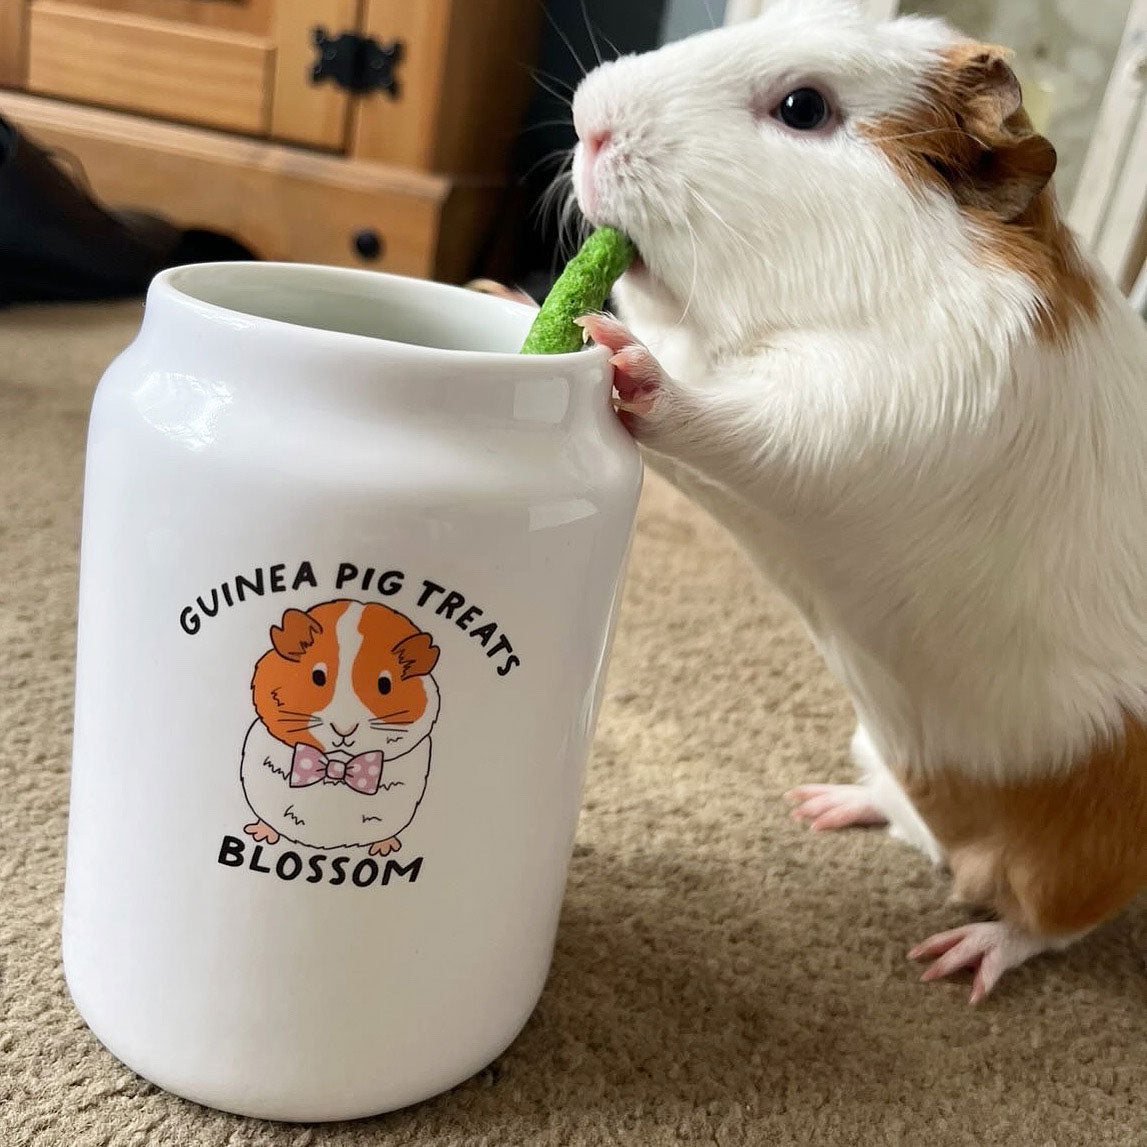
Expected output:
(1002, 163)
(417, 654)
(296, 635)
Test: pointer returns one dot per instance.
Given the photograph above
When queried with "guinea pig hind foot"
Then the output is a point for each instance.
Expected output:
(986, 949)
(385, 847)
(827, 807)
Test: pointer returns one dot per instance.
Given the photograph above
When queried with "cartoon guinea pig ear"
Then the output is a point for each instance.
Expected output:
(296, 635)
(1002, 163)
(417, 654)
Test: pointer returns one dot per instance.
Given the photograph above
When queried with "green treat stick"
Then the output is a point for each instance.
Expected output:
(583, 287)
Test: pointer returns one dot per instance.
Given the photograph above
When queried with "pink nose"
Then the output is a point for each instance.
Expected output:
(596, 142)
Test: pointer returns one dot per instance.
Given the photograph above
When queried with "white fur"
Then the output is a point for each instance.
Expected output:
(887, 796)
(957, 507)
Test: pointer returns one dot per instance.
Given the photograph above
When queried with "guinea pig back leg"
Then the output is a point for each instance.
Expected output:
(987, 949)
(1054, 853)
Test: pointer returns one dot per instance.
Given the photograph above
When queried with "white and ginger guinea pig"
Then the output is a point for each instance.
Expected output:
(861, 334)
(340, 753)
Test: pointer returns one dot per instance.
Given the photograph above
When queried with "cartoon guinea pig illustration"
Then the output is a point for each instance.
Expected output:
(340, 754)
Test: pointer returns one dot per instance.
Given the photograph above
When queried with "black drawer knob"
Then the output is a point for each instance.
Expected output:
(368, 243)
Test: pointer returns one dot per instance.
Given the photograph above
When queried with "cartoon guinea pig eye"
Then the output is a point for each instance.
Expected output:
(319, 674)
(384, 683)
(804, 109)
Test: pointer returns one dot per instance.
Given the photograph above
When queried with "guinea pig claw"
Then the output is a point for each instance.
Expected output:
(827, 807)
(606, 331)
(637, 377)
(986, 949)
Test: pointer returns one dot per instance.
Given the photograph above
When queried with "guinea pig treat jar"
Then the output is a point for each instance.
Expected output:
(349, 572)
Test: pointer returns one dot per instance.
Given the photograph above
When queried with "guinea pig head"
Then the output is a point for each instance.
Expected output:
(799, 169)
(348, 678)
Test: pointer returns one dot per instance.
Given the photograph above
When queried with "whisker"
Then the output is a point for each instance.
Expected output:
(558, 154)
(573, 227)
(553, 199)
(564, 100)
(552, 77)
(548, 123)
(565, 39)
(561, 177)
(592, 35)
(922, 132)
(693, 284)
(617, 52)
(724, 223)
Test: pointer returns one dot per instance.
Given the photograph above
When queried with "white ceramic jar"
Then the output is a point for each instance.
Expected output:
(348, 579)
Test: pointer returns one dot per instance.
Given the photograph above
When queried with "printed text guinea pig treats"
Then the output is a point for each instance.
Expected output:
(583, 287)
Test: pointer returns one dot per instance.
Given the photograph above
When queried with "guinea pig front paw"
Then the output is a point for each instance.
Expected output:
(638, 379)
(827, 807)
(262, 832)
(385, 847)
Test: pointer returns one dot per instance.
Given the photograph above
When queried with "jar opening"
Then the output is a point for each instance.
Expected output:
(346, 301)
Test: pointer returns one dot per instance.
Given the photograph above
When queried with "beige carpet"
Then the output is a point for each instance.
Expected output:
(721, 976)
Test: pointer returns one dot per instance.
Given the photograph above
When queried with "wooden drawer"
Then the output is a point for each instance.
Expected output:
(245, 66)
(241, 65)
(173, 71)
(286, 202)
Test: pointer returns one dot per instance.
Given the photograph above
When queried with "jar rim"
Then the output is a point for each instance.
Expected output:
(353, 306)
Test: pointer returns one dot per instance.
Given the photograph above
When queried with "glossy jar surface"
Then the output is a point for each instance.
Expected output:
(348, 579)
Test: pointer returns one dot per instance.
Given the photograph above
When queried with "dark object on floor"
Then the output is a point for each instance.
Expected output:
(57, 242)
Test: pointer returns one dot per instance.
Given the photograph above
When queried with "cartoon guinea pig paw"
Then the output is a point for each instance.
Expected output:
(262, 832)
(638, 378)
(385, 847)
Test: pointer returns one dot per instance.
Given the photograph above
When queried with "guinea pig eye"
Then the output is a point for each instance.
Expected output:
(319, 675)
(804, 109)
(384, 683)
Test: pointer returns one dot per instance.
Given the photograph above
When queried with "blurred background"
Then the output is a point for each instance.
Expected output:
(422, 136)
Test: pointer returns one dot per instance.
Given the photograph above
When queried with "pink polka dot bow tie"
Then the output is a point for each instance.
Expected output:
(361, 773)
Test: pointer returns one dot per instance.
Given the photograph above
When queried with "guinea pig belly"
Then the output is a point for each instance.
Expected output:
(327, 815)
(1056, 853)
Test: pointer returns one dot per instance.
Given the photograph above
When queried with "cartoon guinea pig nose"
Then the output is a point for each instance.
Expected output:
(340, 733)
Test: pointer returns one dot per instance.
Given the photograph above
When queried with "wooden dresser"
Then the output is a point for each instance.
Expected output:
(359, 132)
